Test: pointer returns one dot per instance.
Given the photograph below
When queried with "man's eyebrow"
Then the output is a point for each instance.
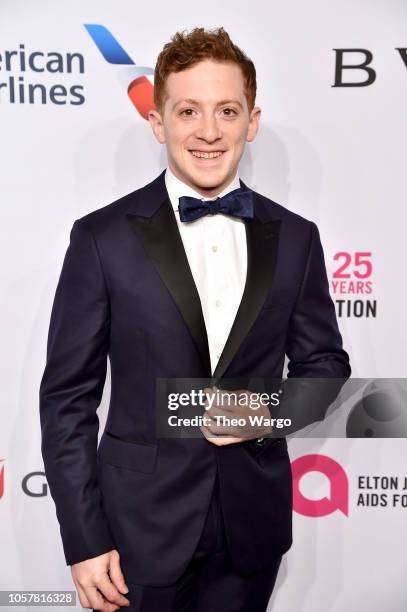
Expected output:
(196, 102)
(222, 102)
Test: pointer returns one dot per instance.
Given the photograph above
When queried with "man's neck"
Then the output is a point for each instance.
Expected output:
(204, 193)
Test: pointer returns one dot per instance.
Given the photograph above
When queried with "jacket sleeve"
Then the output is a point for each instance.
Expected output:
(314, 343)
(70, 393)
(318, 366)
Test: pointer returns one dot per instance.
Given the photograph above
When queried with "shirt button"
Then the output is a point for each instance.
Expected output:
(214, 248)
(217, 302)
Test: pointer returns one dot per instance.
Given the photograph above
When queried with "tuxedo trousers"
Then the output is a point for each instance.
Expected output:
(210, 583)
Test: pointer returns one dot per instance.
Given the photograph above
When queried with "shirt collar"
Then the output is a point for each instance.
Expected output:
(177, 188)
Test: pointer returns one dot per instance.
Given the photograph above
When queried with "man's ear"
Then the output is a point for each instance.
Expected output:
(157, 125)
(254, 121)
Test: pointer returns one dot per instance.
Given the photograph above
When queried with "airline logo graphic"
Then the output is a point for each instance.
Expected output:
(339, 489)
(1, 477)
(139, 88)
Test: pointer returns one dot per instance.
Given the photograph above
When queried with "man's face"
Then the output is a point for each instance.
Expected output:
(205, 124)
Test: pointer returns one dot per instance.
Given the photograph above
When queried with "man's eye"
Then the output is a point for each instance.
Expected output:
(188, 112)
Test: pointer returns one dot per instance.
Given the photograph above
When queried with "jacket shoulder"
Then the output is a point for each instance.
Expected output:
(278, 211)
(103, 217)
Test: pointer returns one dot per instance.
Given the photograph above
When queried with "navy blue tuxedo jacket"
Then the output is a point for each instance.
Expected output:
(126, 292)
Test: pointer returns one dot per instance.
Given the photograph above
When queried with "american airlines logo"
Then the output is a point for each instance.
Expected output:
(132, 77)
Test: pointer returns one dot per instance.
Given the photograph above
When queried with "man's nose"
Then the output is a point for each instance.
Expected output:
(209, 129)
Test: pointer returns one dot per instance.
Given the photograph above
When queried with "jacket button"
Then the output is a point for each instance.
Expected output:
(260, 441)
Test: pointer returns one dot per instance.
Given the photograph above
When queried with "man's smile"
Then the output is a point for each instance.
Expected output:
(206, 156)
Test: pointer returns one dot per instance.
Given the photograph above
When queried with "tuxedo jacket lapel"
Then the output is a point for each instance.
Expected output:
(262, 236)
(160, 238)
(153, 220)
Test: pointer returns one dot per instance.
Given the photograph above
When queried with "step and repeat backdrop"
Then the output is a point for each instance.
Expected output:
(75, 83)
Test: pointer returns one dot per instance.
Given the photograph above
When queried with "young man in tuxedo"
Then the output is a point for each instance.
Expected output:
(193, 275)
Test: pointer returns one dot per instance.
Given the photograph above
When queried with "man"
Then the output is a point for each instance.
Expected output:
(170, 286)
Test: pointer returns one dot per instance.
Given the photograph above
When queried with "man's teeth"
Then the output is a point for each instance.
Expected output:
(207, 155)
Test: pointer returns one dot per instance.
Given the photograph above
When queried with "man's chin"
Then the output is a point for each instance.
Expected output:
(207, 179)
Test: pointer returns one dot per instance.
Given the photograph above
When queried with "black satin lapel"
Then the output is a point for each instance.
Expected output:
(262, 243)
(160, 238)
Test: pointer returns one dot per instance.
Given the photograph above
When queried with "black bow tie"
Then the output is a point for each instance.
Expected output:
(236, 203)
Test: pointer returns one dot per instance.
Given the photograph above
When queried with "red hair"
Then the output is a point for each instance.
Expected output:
(187, 49)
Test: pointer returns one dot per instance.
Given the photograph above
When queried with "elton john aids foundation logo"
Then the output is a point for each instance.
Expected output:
(338, 483)
(352, 285)
(133, 78)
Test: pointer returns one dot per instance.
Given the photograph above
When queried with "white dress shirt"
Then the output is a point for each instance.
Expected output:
(215, 246)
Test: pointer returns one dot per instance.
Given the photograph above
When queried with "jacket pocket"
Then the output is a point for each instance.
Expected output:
(137, 456)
